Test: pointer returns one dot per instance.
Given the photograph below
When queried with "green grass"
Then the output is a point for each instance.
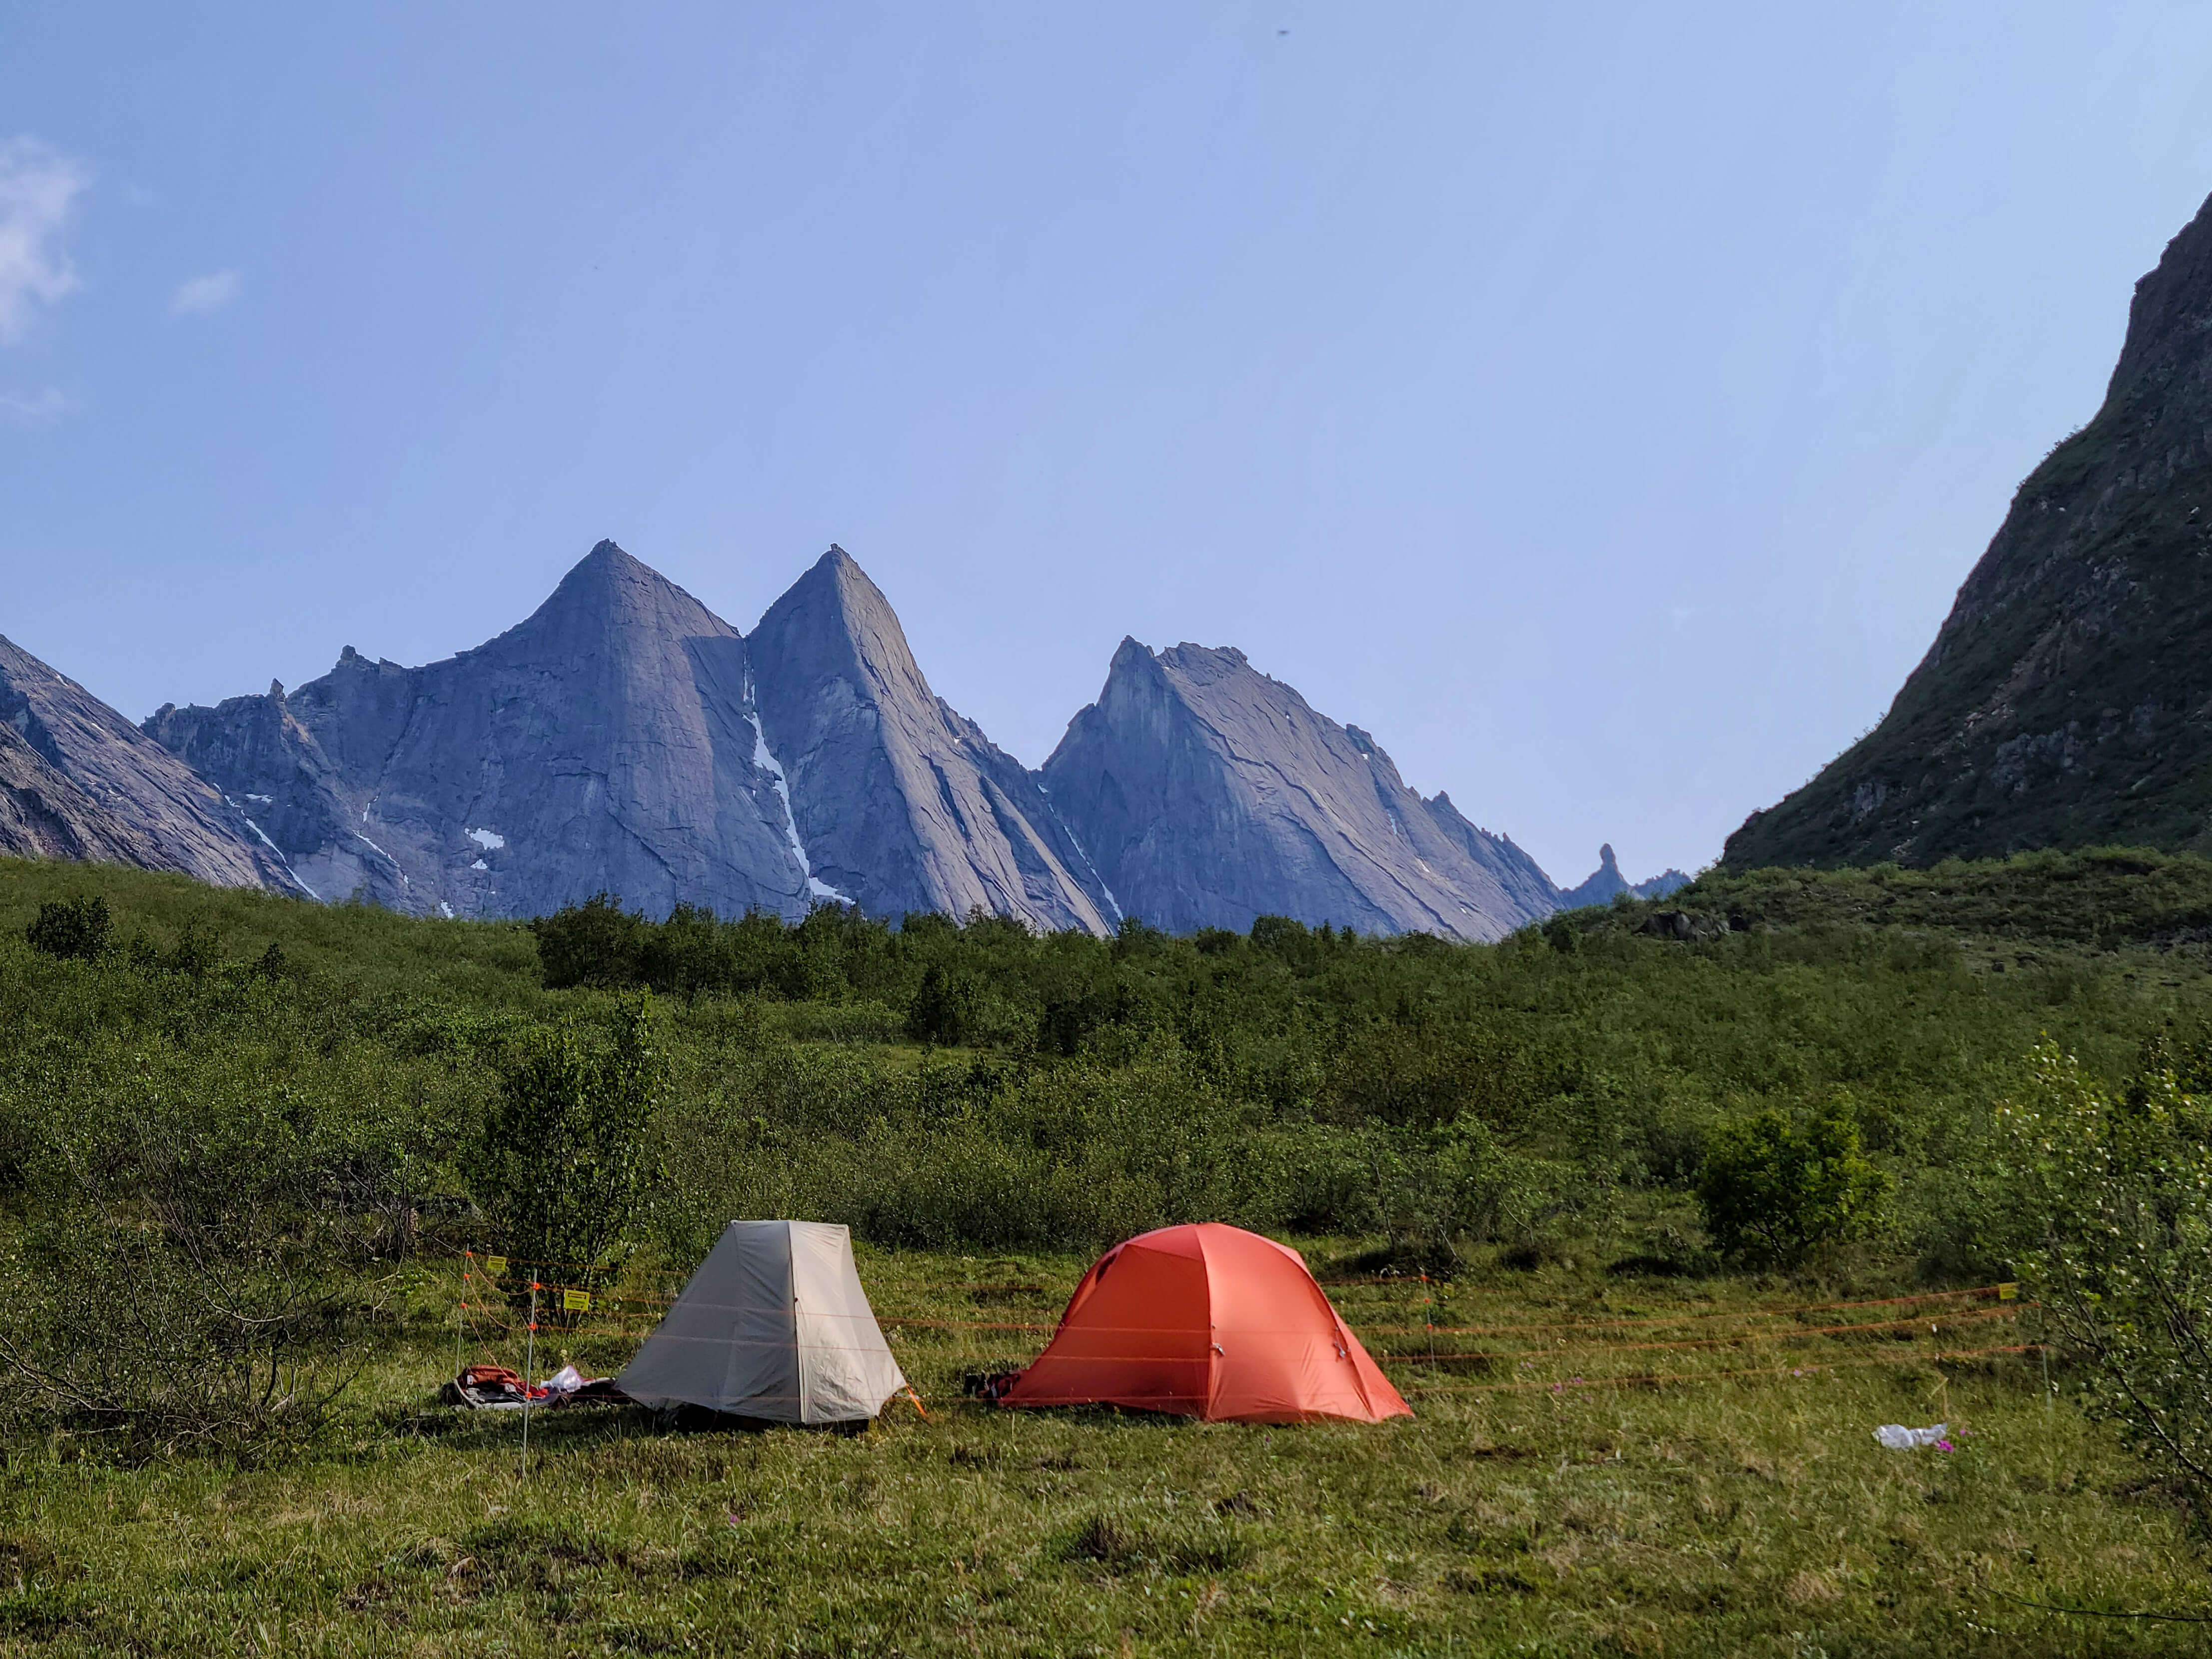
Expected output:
(1099, 1088)
(372, 952)
(1748, 1516)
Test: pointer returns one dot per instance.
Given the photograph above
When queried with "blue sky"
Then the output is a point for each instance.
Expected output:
(1599, 405)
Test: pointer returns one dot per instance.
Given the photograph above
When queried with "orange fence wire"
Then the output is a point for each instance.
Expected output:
(1666, 1379)
(483, 1321)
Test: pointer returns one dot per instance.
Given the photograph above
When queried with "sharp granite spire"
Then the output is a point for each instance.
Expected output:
(1210, 794)
(902, 802)
(623, 739)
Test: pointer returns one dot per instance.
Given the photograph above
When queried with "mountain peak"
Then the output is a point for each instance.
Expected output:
(837, 573)
(1209, 793)
(903, 803)
(2168, 318)
(610, 592)
(838, 621)
(1131, 654)
(604, 567)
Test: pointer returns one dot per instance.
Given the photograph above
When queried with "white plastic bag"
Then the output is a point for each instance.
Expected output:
(1898, 1438)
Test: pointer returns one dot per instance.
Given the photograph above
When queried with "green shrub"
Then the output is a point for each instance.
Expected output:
(1773, 1192)
(198, 1264)
(567, 1156)
(2118, 1191)
(71, 928)
(594, 943)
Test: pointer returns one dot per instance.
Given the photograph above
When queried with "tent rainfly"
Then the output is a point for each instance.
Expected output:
(1209, 1321)
(773, 1325)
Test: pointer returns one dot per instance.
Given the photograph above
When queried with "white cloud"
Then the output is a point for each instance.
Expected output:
(204, 293)
(38, 188)
(36, 408)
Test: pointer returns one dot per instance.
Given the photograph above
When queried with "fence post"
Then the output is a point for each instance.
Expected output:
(529, 1365)
(461, 1313)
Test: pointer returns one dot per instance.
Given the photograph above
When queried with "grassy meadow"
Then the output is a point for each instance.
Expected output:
(1626, 1439)
(1742, 1507)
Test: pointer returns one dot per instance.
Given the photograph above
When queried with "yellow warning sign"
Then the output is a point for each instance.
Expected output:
(576, 1301)
(2008, 1293)
(495, 1265)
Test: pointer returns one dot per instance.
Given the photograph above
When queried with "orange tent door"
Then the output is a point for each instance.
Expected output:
(1210, 1322)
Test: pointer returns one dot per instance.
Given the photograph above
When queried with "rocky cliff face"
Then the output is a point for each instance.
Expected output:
(606, 741)
(78, 781)
(45, 816)
(2066, 700)
(271, 766)
(1209, 795)
(624, 737)
(903, 803)
(1607, 881)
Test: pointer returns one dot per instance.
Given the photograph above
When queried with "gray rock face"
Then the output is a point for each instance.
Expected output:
(1606, 880)
(271, 766)
(101, 785)
(1521, 876)
(1210, 794)
(605, 743)
(902, 803)
(626, 739)
(44, 816)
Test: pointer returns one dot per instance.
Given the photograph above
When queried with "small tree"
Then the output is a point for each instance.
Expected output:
(1774, 1193)
(566, 1156)
(71, 928)
(1437, 1186)
(942, 1011)
(2118, 1195)
(595, 943)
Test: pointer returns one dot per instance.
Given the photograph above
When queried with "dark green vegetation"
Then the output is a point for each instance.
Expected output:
(241, 1140)
(2065, 701)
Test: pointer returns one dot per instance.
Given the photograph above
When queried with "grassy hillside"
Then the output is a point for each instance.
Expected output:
(2063, 701)
(1625, 1442)
(979, 1086)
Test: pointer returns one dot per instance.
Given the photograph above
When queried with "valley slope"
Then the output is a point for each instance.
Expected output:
(2066, 700)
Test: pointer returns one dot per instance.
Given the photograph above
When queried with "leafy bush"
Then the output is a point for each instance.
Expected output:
(943, 1008)
(566, 1156)
(2119, 1191)
(594, 943)
(198, 1260)
(71, 928)
(1774, 1193)
(1435, 1189)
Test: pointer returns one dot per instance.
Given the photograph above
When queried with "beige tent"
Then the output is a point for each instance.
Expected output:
(773, 1325)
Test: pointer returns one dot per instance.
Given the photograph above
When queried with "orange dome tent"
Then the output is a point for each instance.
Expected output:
(1208, 1321)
